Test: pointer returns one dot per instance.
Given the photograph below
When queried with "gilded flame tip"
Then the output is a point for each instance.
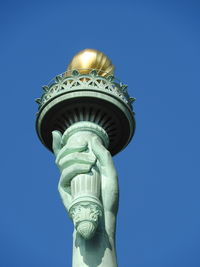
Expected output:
(90, 59)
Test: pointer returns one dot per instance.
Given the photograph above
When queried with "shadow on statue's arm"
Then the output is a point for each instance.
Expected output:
(93, 251)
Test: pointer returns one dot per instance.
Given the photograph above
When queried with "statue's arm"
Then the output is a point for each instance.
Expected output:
(100, 250)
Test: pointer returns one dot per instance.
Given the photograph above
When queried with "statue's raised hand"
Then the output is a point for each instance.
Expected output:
(79, 157)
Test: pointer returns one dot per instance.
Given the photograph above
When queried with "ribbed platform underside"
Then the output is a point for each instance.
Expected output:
(110, 117)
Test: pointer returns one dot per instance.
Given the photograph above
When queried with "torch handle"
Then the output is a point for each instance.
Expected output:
(86, 185)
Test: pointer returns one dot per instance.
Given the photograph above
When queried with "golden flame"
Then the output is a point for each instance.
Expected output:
(90, 59)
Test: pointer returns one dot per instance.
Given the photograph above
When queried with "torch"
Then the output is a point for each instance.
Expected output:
(84, 102)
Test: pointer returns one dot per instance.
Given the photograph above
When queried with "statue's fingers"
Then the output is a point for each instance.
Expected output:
(56, 143)
(73, 142)
(69, 173)
(76, 158)
(69, 150)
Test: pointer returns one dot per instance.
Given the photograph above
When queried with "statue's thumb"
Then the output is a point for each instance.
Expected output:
(56, 143)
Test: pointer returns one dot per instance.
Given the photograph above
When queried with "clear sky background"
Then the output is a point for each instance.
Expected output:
(155, 47)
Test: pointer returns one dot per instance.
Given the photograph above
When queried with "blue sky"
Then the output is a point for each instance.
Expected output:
(155, 48)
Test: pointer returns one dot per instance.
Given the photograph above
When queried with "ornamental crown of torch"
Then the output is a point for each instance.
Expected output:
(87, 91)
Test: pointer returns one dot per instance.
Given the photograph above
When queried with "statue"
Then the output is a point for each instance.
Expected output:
(85, 117)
